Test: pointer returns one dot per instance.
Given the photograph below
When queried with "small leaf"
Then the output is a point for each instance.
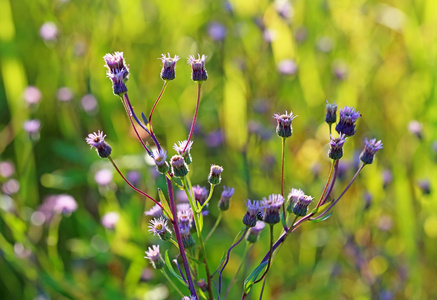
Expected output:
(322, 219)
(144, 119)
(252, 277)
(164, 203)
(200, 222)
(172, 271)
(283, 221)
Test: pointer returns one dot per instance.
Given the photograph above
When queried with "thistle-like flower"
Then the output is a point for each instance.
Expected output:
(97, 140)
(331, 113)
(159, 227)
(215, 174)
(370, 148)
(160, 156)
(271, 208)
(179, 148)
(155, 257)
(253, 208)
(284, 128)
(293, 196)
(179, 167)
(200, 194)
(185, 218)
(198, 68)
(252, 235)
(336, 149)
(301, 206)
(187, 238)
(168, 67)
(118, 72)
(348, 117)
(225, 198)
(155, 212)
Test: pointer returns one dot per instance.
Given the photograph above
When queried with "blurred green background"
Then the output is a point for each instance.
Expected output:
(264, 57)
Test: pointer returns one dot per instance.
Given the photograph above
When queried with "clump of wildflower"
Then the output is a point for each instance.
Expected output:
(331, 113)
(225, 198)
(118, 72)
(187, 238)
(159, 227)
(168, 67)
(251, 216)
(284, 128)
(155, 212)
(370, 148)
(155, 257)
(348, 117)
(160, 156)
(179, 148)
(198, 68)
(293, 196)
(97, 140)
(336, 147)
(215, 174)
(271, 208)
(300, 208)
(252, 235)
(179, 167)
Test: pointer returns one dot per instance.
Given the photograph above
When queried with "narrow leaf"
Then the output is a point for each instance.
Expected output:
(164, 203)
(322, 219)
(252, 277)
(172, 271)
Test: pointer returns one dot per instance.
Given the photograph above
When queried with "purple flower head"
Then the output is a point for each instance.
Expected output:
(155, 212)
(416, 128)
(293, 196)
(155, 257)
(370, 148)
(134, 177)
(181, 197)
(97, 140)
(32, 126)
(65, 204)
(189, 298)
(48, 31)
(160, 156)
(300, 208)
(215, 174)
(200, 194)
(179, 167)
(168, 67)
(198, 68)
(118, 72)
(217, 31)
(64, 94)
(287, 67)
(110, 219)
(103, 177)
(159, 227)
(7, 169)
(225, 198)
(185, 218)
(252, 235)
(283, 128)
(179, 148)
(271, 208)
(32, 95)
(336, 147)
(348, 117)
(183, 206)
(331, 113)
(387, 178)
(253, 208)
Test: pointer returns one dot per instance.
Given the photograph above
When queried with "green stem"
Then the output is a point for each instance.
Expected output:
(52, 242)
(270, 255)
(172, 283)
(211, 190)
(243, 258)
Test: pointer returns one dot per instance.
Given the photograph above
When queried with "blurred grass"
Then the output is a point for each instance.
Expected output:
(389, 51)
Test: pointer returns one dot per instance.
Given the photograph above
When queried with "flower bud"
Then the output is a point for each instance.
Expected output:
(336, 149)
(348, 117)
(293, 196)
(97, 140)
(252, 235)
(283, 128)
(250, 218)
(155, 257)
(331, 113)
(215, 174)
(180, 168)
(160, 161)
(271, 208)
(198, 68)
(168, 67)
(301, 206)
(225, 198)
(183, 150)
(370, 148)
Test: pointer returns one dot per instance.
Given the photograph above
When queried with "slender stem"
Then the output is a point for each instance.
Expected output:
(215, 226)
(179, 237)
(334, 178)
(262, 289)
(211, 190)
(133, 187)
(326, 185)
(194, 118)
(52, 242)
(270, 255)
(157, 100)
(243, 258)
(282, 179)
(171, 283)
(341, 195)
(174, 243)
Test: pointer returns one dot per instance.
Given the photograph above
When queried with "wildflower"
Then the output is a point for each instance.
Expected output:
(159, 227)
(271, 208)
(32, 95)
(155, 212)
(187, 238)
(348, 117)
(252, 235)
(284, 129)
(160, 156)
(293, 196)
(331, 113)
(300, 208)
(250, 218)
(215, 174)
(118, 72)
(225, 198)
(48, 31)
(200, 194)
(155, 257)
(198, 68)
(336, 149)
(10, 187)
(110, 219)
(179, 148)
(179, 167)
(185, 218)
(184, 206)
(202, 285)
(168, 67)
(370, 148)
(97, 140)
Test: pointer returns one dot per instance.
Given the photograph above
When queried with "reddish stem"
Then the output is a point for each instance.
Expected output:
(195, 116)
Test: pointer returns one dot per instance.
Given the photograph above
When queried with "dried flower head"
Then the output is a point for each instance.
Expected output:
(336, 147)
(348, 117)
(370, 148)
(155, 257)
(331, 113)
(97, 140)
(225, 198)
(284, 128)
(198, 68)
(159, 227)
(271, 208)
(215, 174)
(180, 147)
(168, 67)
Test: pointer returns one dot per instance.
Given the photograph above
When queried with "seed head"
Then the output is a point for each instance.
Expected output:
(97, 140)
(370, 148)
(198, 68)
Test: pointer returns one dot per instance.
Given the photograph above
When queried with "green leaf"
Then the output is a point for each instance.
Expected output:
(200, 222)
(252, 277)
(323, 218)
(172, 271)
(164, 203)
(283, 221)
